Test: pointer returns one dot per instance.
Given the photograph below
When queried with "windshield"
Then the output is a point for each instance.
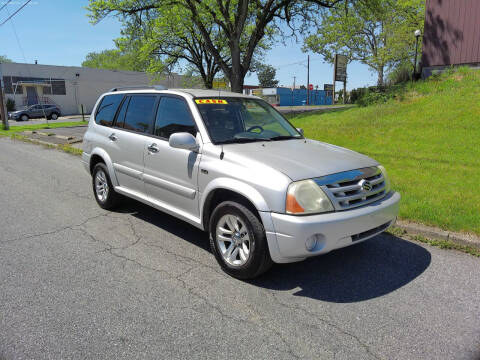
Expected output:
(234, 120)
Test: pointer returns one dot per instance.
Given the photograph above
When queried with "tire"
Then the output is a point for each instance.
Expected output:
(54, 116)
(100, 177)
(252, 238)
(24, 117)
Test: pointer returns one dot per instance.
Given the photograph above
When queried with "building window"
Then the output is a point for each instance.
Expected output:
(57, 85)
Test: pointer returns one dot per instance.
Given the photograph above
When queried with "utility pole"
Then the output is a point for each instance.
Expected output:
(293, 90)
(3, 110)
(334, 79)
(308, 80)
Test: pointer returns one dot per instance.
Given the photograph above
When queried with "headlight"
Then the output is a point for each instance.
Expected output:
(306, 197)
(385, 176)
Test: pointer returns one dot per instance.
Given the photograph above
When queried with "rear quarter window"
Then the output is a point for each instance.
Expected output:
(107, 109)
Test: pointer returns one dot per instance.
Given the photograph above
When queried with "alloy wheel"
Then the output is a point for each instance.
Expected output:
(233, 240)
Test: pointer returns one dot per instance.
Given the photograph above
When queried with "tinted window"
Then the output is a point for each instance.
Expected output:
(107, 109)
(139, 113)
(121, 114)
(174, 116)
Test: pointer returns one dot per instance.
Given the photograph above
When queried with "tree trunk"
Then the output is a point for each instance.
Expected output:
(380, 76)
(236, 76)
(208, 81)
(236, 83)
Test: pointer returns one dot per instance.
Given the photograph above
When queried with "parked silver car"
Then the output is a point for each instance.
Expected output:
(232, 165)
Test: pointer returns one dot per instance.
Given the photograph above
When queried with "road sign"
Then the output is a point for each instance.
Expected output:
(328, 87)
(340, 67)
(310, 87)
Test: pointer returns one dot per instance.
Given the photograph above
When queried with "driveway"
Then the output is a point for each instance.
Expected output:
(78, 282)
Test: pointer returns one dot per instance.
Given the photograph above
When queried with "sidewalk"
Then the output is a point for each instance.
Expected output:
(59, 136)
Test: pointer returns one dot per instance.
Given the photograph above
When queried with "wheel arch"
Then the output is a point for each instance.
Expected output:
(99, 155)
(229, 189)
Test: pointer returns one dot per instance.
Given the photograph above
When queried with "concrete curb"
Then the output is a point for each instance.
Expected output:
(439, 234)
(63, 137)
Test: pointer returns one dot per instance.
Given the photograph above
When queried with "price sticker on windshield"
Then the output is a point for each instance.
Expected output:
(211, 101)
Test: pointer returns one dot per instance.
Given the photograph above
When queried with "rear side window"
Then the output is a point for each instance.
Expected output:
(107, 109)
(173, 116)
(140, 112)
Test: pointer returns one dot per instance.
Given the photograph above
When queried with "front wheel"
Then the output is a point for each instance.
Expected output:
(24, 117)
(54, 116)
(238, 241)
(103, 189)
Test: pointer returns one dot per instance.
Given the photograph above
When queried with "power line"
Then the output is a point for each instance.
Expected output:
(8, 2)
(18, 40)
(20, 8)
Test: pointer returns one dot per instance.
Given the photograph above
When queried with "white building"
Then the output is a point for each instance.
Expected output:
(68, 87)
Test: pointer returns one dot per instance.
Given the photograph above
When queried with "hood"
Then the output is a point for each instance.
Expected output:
(300, 159)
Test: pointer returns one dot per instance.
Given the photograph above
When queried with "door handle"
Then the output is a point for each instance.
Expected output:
(113, 137)
(153, 148)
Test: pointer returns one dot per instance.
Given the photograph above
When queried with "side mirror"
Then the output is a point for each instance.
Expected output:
(183, 140)
(300, 130)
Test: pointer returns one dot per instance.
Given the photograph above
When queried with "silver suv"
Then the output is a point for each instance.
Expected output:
(233, 166)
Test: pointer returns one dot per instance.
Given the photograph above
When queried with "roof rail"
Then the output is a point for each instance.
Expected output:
(154, 87)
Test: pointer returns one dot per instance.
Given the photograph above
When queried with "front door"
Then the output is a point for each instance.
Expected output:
(32, 97)
(170, 174)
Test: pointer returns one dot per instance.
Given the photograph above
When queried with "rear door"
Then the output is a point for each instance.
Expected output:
(171, 174)
(124, 121)
(129, 137)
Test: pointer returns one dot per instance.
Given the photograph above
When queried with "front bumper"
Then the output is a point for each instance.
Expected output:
(287, 234)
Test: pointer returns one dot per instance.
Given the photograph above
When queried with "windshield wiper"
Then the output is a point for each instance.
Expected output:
(240, 140)
(284, 137)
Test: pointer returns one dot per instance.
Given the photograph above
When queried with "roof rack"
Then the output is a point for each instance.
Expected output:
(154, 87)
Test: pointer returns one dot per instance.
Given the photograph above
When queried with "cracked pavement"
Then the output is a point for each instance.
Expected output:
(78, 282)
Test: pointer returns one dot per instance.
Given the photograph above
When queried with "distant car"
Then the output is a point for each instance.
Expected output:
(52, 112)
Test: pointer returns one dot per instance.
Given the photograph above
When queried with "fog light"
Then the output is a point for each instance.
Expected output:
(311, 242)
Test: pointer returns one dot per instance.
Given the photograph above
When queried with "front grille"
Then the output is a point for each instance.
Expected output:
(353, 188)
(371, 232)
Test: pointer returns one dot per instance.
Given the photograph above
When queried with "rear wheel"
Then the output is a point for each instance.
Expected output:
(103, 190)
(238, 241)
(54, 116)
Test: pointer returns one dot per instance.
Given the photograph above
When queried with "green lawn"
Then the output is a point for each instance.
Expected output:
(429, 141)
(20, 128)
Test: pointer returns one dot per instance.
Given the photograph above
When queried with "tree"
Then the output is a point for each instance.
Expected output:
(161, 34)
(243, 24)
(4, 60)
(266, 76)
(114, 59)
(378, 33)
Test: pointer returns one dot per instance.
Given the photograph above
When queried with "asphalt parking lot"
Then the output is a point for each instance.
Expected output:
(82, 283)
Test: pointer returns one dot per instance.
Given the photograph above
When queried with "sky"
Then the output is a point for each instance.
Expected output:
(58, 32)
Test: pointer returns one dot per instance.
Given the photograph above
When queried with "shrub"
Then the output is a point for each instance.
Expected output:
(10, 104)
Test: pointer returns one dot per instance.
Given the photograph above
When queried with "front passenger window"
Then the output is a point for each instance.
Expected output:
(173, 116)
